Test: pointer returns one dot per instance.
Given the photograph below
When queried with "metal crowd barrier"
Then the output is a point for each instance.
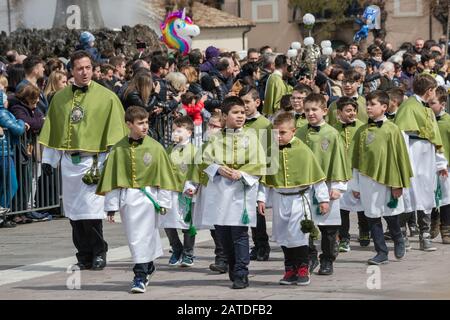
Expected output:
(35, 191)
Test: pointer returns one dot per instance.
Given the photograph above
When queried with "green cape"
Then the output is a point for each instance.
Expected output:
(130, 166)
(329, 150)
(444, 129)
(298, 167)
(182, 160)
(362, 112)
(101, 126)
(347, 137)
(260, 123)
(240, 151)
(300, 122)
(276, 88)
(413, 116)
(381, 154)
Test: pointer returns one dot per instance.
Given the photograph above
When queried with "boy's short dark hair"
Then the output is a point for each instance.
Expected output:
(281, 61)
(427, 56)
(316, 98)
(303, 88)
(184, 122)
(422, 83)
(31, 62)
(135, 113)
(408, 62)
(116, 61)
(158, 61)
(230, 102)
(285, 103)
(396, 95)
(77, 55)
(104, 68)
(352, 75)
(379, 95)
(342, 102)
(249, 90)
(284, 117)
(187, 98)
(441, 94)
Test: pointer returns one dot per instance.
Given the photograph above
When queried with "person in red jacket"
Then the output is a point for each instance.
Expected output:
(193, 107)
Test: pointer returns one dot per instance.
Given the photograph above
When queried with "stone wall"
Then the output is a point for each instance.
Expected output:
(61, 42)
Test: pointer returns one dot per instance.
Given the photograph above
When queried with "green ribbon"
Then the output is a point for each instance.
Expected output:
(245, 218)
(393, 203)
(156, 205)
(438, 194)
(186, 203)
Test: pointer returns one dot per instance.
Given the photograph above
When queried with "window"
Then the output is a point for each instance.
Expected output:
(265, 11)
(408, 8)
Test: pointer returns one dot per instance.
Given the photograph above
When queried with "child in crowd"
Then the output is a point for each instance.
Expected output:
(347, 110)
(396, 98)
(381, 169)
(299, 93)
(193, 107)
(182, 154)
(136, 180)
(326, 144)
(291, 190)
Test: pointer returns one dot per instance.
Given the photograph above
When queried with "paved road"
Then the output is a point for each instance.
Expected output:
(34, 259)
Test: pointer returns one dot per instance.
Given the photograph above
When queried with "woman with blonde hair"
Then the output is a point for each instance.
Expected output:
(56, 81)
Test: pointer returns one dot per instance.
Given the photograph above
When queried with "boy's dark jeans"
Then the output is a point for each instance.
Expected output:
(328, 242)
(443, 214)
(141, 270)
(87, 236)
(376, 229)
(187, 247)
(259, 234)
(220, 257)
(295, 257)
(363, 225)
(235, 242)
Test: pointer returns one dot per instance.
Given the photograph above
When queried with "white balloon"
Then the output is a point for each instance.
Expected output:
(327, 51)
(309, 19)
(325, 44)
(308, 41)
(296, 45)
(292, 53)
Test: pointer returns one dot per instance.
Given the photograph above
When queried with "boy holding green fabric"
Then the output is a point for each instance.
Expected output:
(381, 169)
(137, 180)
(182, 155)
(235, 161)
(327, 146)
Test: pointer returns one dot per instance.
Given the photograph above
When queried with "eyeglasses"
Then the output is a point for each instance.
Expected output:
(350, 82)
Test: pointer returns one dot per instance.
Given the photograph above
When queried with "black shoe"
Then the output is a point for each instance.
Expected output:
(84, 265)
(313, 264)
(240, 283)
(99, 263)
(263, 253)
(218, 267)
(326, 268)
(399, 248)
(253, 254)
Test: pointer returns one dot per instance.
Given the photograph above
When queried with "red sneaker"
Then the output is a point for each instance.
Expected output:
(290, 277)
(303, 275)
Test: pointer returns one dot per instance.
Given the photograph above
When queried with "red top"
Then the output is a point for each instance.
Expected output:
(195, 112)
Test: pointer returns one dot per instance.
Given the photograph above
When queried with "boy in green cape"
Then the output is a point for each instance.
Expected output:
(254, 120)
(440, 216)
(424, 143)
(235, 161)
(327, 146)
(299, 93)
(350, 84)
(136, 181)
(381, 169)
(291, 189)
(179, 216)
(347, 110)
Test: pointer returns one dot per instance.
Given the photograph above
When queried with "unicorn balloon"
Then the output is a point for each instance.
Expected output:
(177, 31)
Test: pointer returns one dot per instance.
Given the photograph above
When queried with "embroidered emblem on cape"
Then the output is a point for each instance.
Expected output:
(245, 142)
(370, 137)
(325, 144)
(183, 167)
(147, 159)
(77, 114)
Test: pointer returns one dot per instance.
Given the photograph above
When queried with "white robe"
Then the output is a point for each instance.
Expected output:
(374, 196)
(349, 202)
(140, 220)
(224, 199)
(79, 200)
(445, 190)
(289, 210)
(175, 216)
(198, 205)
(425, 162)
(333, 217)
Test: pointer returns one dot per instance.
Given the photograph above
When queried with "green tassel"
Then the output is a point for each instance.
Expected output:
(438, 195)
(192, 231)
(188, 217)
(155, 204)
(245, 218)
(393, 203)
(307, 226)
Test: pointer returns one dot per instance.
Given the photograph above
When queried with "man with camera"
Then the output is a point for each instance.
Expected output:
(84, 120)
